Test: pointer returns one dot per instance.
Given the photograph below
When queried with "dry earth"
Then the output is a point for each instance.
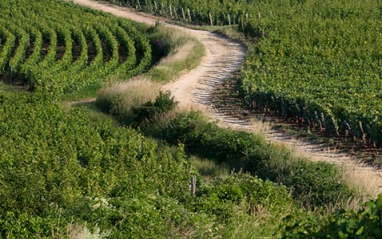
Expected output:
(222, 58)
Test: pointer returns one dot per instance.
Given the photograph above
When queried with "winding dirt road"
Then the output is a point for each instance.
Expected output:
(222, 58)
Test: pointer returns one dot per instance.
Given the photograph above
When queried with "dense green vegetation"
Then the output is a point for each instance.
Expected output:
(312, 184)
(71, 172)
(70, 48)
(314, 61)
(318, 57)
(74, 172)
(364, 223)
(57, 166)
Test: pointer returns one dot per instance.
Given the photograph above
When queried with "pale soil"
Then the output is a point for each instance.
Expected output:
(222, 58)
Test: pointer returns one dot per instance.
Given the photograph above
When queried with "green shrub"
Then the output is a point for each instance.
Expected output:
(150, 111)
(135, 108)
(321, 180)
(221, 197)
(313, 184)
(16, 225)
(365, 223)
(51, 158)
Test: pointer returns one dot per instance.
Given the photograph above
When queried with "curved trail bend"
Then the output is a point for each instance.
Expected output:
(222, 58)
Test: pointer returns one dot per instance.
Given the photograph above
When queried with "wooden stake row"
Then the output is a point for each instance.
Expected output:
(186, 13)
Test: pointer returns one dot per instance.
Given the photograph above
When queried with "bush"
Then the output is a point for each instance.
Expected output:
(313, 184)
(150, 111)
(119, 98)
(317, 184)
(260, 196)
(365, 223)
(136, 103)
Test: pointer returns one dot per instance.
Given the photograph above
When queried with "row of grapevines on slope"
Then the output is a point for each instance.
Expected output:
(315, 61)
(40, 51)
(318, 62)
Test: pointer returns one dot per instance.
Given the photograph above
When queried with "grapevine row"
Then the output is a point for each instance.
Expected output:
(40, 52)
(316, 62)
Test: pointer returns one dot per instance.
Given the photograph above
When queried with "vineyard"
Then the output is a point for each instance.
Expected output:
(59, 48)
(313, 62)
(74, 171)
(319, 62)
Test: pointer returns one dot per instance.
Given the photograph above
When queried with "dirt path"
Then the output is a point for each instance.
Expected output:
(223, 57)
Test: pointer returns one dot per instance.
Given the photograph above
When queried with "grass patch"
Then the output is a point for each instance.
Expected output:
(7, 88)
(119, 98)
(184, 53)
(83, 93)
(234, 34)
(210, 169)
(136, 103)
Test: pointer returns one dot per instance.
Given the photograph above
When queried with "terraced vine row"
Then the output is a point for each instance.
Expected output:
(56, 47)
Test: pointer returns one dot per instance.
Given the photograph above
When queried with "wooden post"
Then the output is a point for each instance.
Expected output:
(162, 10)
(156, 6)
(170, 10)
(363, 135)
(347, 129)
(360, 127)
(246, 17)
(333, 123)
(209, 14)
(229, 20)
(193, 185)
(139, 5)
(318, 121)
(189, 14)
(323, 119)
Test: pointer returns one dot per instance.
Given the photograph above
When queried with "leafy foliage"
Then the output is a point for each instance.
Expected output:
(220, 197)
(70, 48)
(151, 111)
(317, 57)
(310, 57)
(313, 184)
(365, 223)
(60, 167)
(53, 159)
(196, 11)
